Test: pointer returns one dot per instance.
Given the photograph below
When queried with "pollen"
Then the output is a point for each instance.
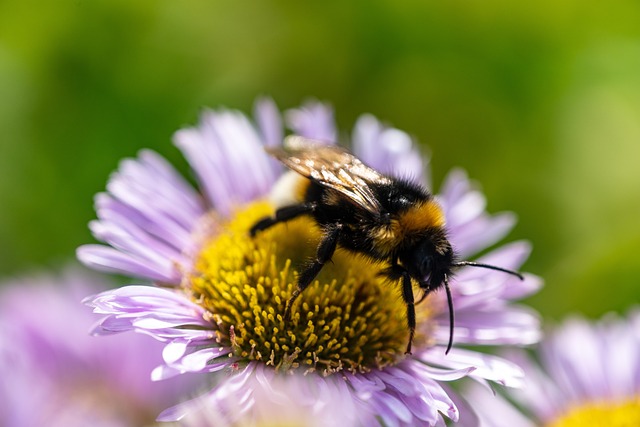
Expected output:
(610, 414)
(351, 318)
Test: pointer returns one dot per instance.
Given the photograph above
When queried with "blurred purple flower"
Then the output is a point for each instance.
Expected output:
(587, 374)
(53, 373)
(156, 227)
(313, 120)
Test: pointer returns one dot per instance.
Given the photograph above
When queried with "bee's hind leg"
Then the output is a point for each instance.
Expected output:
(283, 214)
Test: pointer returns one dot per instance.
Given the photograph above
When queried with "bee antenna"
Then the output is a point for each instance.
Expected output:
(490, 267)
(451, 318)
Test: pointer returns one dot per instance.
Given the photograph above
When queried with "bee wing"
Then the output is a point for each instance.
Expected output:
(333, 167)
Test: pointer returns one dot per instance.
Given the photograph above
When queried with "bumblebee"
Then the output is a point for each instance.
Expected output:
(368, 213)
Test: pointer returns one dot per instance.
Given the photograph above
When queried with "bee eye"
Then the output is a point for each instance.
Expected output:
(425, 265)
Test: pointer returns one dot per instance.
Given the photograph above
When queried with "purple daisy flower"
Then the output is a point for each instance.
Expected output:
(587, 374)
(53, 373)
(223, 294)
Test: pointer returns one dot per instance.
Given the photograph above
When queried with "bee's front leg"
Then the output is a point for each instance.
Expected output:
(283, 214)
(396, 272)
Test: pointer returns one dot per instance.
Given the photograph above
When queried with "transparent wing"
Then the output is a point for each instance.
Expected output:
(332, 166)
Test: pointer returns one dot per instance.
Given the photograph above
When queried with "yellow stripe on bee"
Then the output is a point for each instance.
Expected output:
(416, 220)
(385, 238)
(302, 186)
(422, 216)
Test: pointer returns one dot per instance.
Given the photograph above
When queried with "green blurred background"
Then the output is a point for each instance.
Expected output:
(539, 101)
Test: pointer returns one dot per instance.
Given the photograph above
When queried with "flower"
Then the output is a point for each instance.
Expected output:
(587, 374)
(53, 373)
(222, 294)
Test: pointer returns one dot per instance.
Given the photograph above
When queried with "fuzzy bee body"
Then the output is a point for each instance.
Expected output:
(368, 213)
(381, 234)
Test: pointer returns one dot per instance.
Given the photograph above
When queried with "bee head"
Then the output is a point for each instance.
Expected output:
(430, 260)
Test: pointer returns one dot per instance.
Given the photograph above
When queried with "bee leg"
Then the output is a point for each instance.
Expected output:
(283, 214)
(395, 273)
(325, 251)
(407, 296)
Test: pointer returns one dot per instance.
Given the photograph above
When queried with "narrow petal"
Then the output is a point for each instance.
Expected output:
(470, 228)
(493, 411)
(389, 150)
(147, 217)
(488, 367)
(510, 326)
(107, 259)
(576, 341)
(269, 121)
(226, 152)
(313, 120)
(470, 237)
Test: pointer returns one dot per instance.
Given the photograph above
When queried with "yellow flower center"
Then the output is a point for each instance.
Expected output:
(349, 318)
(602, 414)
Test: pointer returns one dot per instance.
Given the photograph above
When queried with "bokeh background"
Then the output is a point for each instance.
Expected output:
(538, 101)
